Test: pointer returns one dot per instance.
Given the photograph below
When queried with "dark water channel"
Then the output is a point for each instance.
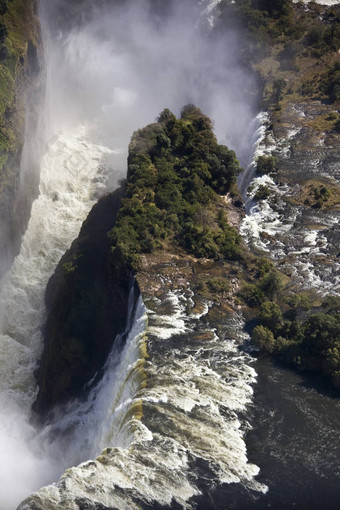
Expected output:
(295, 440)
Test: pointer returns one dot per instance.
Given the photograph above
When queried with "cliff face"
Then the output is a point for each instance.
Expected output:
(87, 301)
(175, 164)
(20, 84)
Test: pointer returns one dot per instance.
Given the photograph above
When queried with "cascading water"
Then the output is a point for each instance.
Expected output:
(281, 230)
(67, 190)
(108, 76)
(199, 385)
(105, 78)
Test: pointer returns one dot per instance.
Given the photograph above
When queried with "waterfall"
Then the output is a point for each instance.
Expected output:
(199, 384)
(256, 132)
(106, 77)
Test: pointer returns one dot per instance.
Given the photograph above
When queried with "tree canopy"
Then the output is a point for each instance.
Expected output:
(176, 172)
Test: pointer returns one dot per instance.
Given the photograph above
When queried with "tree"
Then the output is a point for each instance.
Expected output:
(270, 315)
(271, 283)
(263, 338)
(262, 192)
(252, 295)
(322, 332)
(266, 165)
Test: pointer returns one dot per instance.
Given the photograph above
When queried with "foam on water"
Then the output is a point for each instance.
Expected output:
(257, 133)
(72, 174)
(284, 232)
(322, 2)
(199, 384)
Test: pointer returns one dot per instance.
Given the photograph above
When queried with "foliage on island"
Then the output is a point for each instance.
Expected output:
(289, 327)
(176, 174)
(266, 165)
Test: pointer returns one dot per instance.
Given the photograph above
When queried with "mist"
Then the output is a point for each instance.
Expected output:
(110, 70)
(129, 61)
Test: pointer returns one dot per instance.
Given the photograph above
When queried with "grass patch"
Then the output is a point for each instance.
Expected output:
(318, 193)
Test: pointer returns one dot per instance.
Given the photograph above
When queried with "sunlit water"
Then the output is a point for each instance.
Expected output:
(192, 434)
(191, 437)
(72, 174)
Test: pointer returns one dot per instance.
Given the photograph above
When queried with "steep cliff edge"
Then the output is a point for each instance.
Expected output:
(20, 62)
(87, 301)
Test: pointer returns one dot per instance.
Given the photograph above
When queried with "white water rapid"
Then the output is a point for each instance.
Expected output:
(298, 236)
(71, 177)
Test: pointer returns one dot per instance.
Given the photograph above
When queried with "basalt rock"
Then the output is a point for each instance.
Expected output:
(87, 302)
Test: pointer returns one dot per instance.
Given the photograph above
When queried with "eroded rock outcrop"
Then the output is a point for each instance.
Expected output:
(87, 300)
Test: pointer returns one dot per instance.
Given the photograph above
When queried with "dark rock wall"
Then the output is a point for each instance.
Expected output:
(87, 302)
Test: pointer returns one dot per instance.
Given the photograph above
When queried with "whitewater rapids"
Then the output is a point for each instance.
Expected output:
(73, 172)
(198, 387)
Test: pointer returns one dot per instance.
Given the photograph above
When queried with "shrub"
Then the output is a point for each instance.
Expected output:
(321, 332)
(262, 192)
(252, 295)
(263, 338)
(270, 315)
(266, 165)
(271, 283)
(331, 303)
(218, 285)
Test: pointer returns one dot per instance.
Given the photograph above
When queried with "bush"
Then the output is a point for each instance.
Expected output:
(321, 332)
(271, 283)
(266, 165)
(331, 303)
(263, 338)
(270, 315)
(262, 192)
(218, 285)
(252, 295)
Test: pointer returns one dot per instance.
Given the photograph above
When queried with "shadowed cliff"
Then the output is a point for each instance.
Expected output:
(87, 302)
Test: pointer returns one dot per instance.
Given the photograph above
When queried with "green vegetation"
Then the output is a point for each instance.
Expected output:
(266, 165)
(307, 339)
(263, 338)
(262, 192)
(176, 174)
(18, 32)
(289, 327)
(293, 49)
(214, 286)
(269, 283)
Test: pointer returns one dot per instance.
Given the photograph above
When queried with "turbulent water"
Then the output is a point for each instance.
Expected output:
(296, 236)
(72, 173)
(191, 437)
(181, 436)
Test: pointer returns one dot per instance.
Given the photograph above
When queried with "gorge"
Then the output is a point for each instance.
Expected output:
(146, 392)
